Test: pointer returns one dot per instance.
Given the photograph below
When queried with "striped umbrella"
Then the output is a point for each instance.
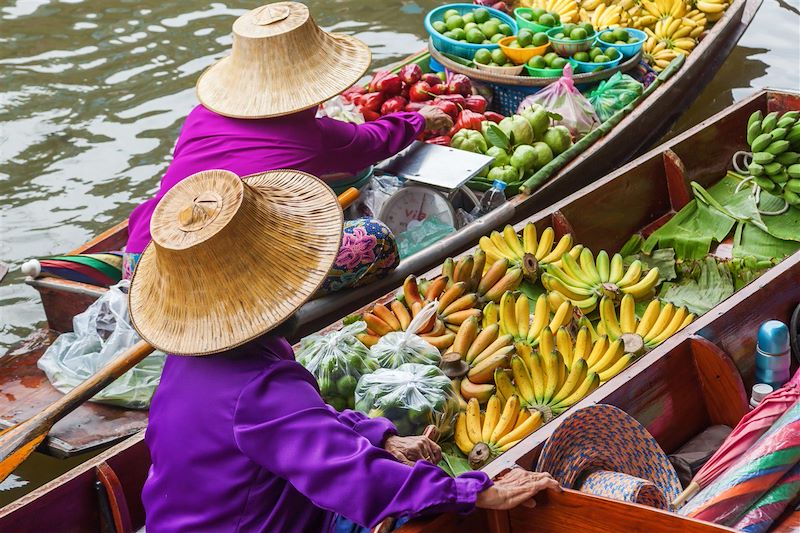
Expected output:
(769, 507)
(754, 474)
(749, 429)
(101, 269)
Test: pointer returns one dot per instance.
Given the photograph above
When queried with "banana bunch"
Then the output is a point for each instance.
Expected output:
(530, 253)
(591, 5)
(658, 323)
(605, 16)
(713, 9)
(502, 426)
(661, 9)
(546, 385)
(515, 318)
(670, 34)
(583, 283)
(467, 269)
(696, 19)
(567, 9)
(774, 140)
(601, 356)
(485, 351)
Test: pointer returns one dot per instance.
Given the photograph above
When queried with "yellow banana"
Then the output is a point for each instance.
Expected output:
(481, 341)
(661, 322)
(507, 419)
(474, 420)
(493, 408)
(552, 283)
(627, 314)
(670, 329)
(562, 317)
(503, 382)
(541, 314)
(608, 318)
(546, 342)
(609, 358)
(564, 346)
(462, 436)
(572, 269)
(522, 309)
(576, 376)
(529, 240)
(618, 367)
(508, 318)
(616, 269)
(490, 315)
(563, 246)
(648, 318)
(583, 343)
(588, 265)
(598, 349)
(529, 424)
(502, 341)
(523, 380)
(451, 295)
(512, 241)
(479, 392)
(545, 243)
(552, 375)
(643, 287)
(500, 243)
(591, 382)
(632, 275)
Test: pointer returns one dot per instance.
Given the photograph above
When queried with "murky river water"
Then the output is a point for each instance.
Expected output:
(93, 95)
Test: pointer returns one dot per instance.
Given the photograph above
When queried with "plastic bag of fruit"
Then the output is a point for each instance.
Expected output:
(412, 396)
(399, 347)
(337, 360)
(613, 94)
(562, 98)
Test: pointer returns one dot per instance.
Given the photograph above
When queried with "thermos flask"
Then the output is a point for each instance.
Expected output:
(772, 354)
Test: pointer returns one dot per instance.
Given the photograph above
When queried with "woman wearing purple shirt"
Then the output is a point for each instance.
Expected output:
(240, 439)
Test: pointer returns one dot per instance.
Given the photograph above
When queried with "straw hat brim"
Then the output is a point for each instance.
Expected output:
(603, 437)
(249, 275)
(264, 92)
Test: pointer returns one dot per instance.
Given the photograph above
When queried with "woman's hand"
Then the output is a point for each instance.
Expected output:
(435, 119)
(409, 450)
(516, 487)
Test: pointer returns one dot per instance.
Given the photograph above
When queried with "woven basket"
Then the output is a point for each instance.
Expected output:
(568, 47)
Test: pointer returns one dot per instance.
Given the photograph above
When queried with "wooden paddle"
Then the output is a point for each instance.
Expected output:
(19, 441)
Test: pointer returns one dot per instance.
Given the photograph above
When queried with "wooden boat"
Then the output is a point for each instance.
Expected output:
(665, 390)
(646, 124)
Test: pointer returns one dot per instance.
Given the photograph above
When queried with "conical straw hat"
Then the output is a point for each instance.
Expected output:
(231, 259)
(281, 63)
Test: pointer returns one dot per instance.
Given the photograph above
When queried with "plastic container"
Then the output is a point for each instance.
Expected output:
(341, 184)
(522, 23)
(544, 72)
(759, 392)
(494, 197)
(520, 56)
(516, 70)
(773, 360)
(587, 66)
(459, 48)
(569, 47)
(627, 50)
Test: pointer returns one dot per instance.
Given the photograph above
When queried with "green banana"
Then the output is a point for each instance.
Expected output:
(765, 183)
(786, 158)
(761, 142)
(778, 134)
(794, 115)
(794, 137)
(755, 169)
(777, 147)
(780, 178)
(794, 171)
(753, 131)
(792, 185)
(755, 117)
(786, 121)
(773, 168)
(763, 158)
(792, 198)
(769, 122)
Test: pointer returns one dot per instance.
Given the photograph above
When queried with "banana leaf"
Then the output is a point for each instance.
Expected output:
(663, 258)
(713, 285)
(750, 241)
(691, 231)
(532, 290)
(453, 462)
(785, 226)
(633, 246)
(737, 205)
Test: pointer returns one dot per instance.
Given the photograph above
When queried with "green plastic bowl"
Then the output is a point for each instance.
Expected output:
(544, 72)
(522, 23)
(569, 47)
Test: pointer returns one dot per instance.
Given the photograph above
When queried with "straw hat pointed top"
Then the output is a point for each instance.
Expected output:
(232, 258)
(281, 63)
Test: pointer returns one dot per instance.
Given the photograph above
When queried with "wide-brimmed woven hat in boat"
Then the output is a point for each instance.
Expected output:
(281, 63)
(232, 258)
(601, 439)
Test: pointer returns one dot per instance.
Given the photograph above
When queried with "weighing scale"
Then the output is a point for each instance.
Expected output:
(434, 175)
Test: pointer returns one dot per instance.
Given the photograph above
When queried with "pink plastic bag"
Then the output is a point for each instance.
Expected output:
(563, 98)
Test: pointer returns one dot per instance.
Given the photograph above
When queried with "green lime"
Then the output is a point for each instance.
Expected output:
(449, 35)
(588, 28)
(580, 56)
(560, 35)
(632, 40)
(468, 17)
(455, 22)
(524, 37)
(621, 35)
(549, 58)
(495, 20)
(601, 59)
(526, 15)
(506, 30)
(612, 53)
(578, 34)
(514, 44)
(459, 34)
(489, 28)
(469, 25)
(481, 15)
(475, 36)
(496, 38)
(499, 57)
(449, 13)
(537, 13)
(547, 20)
(483, 56)
(439, 26)
(607, 37)
(567, 28)
(559, 63)
(540, 39)
(486, 41)
(620, 42)
(594, 52)
(537, 62)
(557, 18)
(493, 64)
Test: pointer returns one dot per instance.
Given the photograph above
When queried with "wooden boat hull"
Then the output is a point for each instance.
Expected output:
(63, 299)
(665, 390)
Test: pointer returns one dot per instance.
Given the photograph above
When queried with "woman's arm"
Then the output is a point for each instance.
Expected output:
(375, 430)
(282, 424)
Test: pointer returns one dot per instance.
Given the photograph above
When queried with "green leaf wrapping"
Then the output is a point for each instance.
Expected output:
(713, 285)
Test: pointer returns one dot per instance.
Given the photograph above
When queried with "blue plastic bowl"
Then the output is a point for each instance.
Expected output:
(627, 50)
(583, 66)
(459, 48)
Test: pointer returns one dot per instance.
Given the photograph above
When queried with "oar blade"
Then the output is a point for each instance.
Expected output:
(17, 445)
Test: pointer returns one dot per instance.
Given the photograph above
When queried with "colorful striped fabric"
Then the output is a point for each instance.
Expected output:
(769, 507)
(100, 269)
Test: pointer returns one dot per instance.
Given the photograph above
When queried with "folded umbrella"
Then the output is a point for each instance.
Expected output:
(101, 269)
(769, 507)
(749, 429)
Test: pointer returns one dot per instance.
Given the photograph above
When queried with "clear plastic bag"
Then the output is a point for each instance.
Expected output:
(337, 360)
(613, 94)
(100, 334)
(340, 109)
(379, 189)
(561, 97)
(412, 396)
(399, 347)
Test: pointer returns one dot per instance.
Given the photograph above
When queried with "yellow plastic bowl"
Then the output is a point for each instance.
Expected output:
(520, 56)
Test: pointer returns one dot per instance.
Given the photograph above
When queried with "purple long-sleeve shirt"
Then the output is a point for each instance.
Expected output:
(299, 141)
(242, 441)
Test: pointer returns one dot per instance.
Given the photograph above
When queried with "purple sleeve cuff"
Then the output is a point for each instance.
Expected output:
(375, 430)
(418, 122)
(468, 486)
